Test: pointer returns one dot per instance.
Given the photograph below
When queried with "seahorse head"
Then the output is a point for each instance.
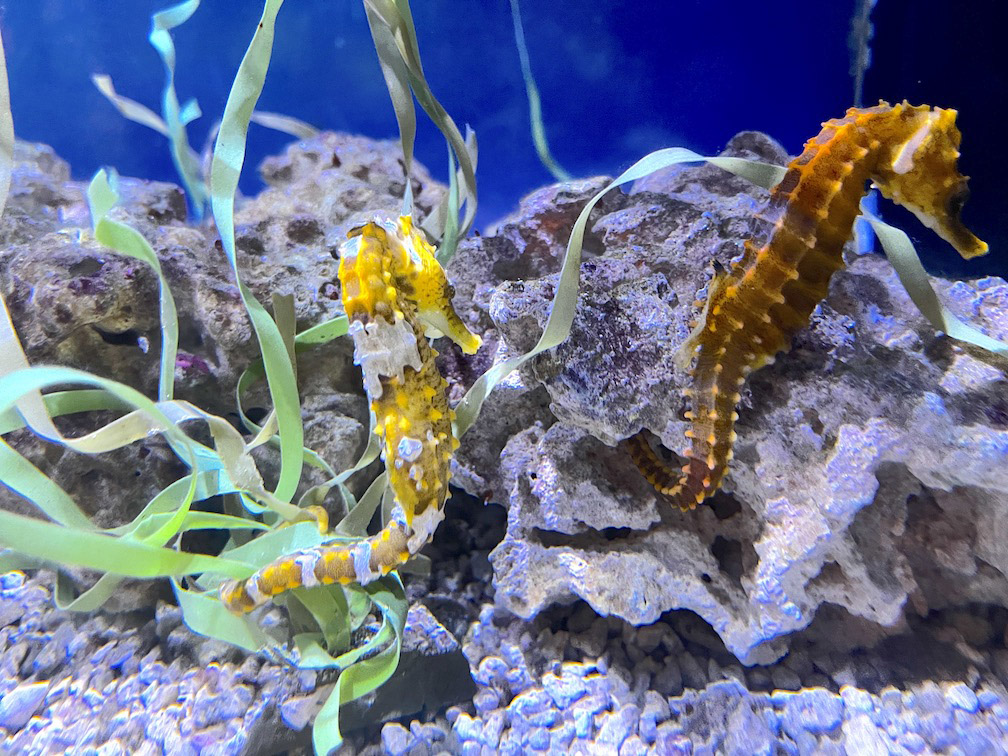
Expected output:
(430, 290)
(924, 176)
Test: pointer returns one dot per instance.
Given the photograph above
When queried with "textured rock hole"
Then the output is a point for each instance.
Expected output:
(256, 414)
(508, 263)
(303, 230)
(210, 541)
(282, 175)
(988, 407)
(830, 576)
(586, 540)
(998, 415)
(86, 267)
(729, 557)
(250, 245)
(725, 506)
(128, 337)
(190, 336)
(615, 534)
(812, 418)
(706, 578)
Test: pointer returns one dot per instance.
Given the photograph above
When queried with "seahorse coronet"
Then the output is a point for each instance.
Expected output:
(392, 289)
(910, 154)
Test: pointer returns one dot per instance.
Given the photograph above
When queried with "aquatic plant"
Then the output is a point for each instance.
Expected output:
(859, 45)
(534, 100)
(148, 546)
(322, 619)
(174, 117)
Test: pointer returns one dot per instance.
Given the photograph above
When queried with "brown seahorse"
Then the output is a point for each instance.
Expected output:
(752, 311)
(394, 292)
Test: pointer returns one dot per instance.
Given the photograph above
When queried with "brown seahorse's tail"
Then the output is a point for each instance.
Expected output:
(666, 480)
(358, 562)
(711, 435)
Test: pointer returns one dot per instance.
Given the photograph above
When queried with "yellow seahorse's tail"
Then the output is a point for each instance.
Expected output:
(358, 562)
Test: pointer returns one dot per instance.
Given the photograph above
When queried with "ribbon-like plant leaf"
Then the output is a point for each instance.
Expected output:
(896, 244)
(228, 158)
(535, 103)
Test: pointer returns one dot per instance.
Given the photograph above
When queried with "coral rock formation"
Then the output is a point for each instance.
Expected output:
(870, 459)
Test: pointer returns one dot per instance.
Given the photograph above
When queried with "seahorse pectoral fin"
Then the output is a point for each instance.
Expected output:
(687, 350)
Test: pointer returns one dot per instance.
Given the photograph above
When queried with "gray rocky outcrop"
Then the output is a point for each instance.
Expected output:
(868, 489)
(869, 469)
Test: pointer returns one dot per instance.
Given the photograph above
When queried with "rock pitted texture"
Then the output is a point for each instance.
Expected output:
(75, 302)
(870, 465)
(918, 520)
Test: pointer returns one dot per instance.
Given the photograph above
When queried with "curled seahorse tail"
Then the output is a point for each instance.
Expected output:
(358, 562)
(667, 480)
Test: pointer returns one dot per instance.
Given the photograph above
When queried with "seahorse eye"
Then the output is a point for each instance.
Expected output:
(956, 200)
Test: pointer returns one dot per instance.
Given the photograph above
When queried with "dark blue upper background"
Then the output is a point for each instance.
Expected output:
(618, 79)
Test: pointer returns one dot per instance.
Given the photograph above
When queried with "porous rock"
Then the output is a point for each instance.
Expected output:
(869, 467)
(75, 302)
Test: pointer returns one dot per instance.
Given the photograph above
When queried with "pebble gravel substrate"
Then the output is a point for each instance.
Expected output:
(573, 682)
(567, 682)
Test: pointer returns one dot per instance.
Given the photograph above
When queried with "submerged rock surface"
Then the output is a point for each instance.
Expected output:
(846, 590)
(870, 465)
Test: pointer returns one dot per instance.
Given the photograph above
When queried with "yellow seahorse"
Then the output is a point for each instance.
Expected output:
(394, 293)
(752, 311)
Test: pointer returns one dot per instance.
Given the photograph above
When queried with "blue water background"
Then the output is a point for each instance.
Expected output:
(618, 79)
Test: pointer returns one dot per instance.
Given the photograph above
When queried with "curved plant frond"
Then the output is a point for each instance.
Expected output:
(896, 244)
(174, 116)
(535, 102)
(395, 40)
